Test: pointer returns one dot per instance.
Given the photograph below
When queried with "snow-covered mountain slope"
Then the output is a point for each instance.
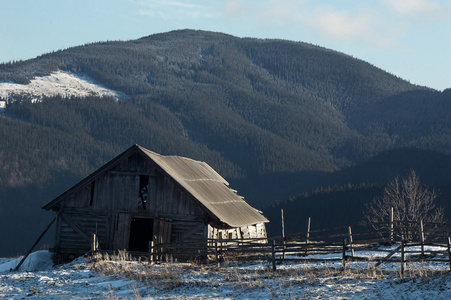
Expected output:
(58, 83)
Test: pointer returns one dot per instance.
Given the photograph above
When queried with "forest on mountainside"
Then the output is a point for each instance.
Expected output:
(276, 118)
(341, 200)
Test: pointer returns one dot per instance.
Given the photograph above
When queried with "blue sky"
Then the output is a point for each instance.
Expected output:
(408, 38)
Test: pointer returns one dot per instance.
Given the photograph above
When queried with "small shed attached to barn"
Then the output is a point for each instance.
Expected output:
(141, 196)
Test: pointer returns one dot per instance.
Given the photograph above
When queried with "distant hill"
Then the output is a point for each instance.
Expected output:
(276, 118)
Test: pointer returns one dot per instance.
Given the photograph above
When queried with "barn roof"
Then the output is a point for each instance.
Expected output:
(197, 179)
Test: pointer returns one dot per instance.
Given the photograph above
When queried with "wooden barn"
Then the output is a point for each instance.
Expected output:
(141, 196)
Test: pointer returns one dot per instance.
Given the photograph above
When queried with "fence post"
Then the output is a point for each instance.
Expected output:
(307, 238)
(273, 254)
(217, 254)
(283, 233)
(94, 243)
(422, 238)
(343, 260)
(350, 240)
(449, 252)
(403, 260)
(151, 251)
(155, 250)
(391, 225)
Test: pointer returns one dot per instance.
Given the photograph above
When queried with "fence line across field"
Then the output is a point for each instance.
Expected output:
(347, 243)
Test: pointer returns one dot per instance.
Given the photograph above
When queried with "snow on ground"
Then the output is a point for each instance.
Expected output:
(58, 83)
(36, 261)
(292, 280)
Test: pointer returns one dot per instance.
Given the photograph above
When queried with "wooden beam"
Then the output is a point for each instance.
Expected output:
(283, 233)
(273, 255)
(403, 258)
(449, 252)
(391, 225)
(128, 173)
(387, 257)
(34, 245)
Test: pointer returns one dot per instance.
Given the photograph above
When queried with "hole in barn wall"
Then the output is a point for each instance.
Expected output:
(141, 232)
(143, 190)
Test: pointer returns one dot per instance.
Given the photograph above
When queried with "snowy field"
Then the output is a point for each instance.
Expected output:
(118, 279)
(58, 83)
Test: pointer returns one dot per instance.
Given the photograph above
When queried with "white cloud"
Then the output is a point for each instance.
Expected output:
(166, 3)
(372, 23)
(423, 7)
(341, 25)
(181, 4)
(325, 21)
(174, 10)
(236, 8)
(146, 12)
(364, 26)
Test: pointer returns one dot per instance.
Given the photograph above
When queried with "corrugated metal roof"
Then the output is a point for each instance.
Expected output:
(209, 188)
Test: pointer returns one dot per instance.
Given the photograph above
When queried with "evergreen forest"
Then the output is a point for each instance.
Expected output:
(290, 125)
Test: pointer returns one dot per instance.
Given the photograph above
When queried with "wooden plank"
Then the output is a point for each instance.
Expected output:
(344, 257)
(57, 231)
(350, 240)
(168, 233)
(391, 225)
(449, 252)
(245, 232)
(422, 238)
(403, 260)
(122, 233)
(85, 235)
(387, 257)
(273, 255)
(190, 232)
(238, 233)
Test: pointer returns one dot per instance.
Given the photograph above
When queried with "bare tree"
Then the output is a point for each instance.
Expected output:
(411, 201)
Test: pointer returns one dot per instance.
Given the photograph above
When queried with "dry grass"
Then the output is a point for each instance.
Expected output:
(283, 282)
(123, 264)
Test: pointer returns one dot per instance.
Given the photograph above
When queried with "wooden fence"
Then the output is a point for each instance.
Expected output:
(344, 242)
(212, 249)
(363, 237)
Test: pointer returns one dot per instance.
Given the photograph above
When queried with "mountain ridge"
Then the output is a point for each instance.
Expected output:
(322, 104)
(266, 114)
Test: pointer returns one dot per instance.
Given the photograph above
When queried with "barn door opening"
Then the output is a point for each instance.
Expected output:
(141, 232)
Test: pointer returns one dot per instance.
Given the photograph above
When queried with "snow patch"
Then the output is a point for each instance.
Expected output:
(36, 261)
(59, 83)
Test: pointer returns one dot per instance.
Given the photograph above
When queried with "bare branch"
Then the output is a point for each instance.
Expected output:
(411, 201)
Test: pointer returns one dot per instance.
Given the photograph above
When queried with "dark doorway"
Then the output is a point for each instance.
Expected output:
(141, 232)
